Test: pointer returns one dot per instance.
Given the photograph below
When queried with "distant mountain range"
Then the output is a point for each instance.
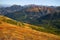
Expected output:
(4, 5)
(45, 16)
(15, 8)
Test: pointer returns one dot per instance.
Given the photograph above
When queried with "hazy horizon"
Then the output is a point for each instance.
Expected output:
(27, 2)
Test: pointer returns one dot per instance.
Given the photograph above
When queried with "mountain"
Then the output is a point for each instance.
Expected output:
(44, 18)
(58, 7)
(10, 31)
(4, 5)
(11, 9)
(31, 13)
(31, 10)
(27, 8)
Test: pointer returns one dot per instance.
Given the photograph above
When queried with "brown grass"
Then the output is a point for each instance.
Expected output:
(13, 32)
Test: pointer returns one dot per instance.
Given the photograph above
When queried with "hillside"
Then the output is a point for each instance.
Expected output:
(10, 31)
(43, 27)
(41, 16)
(44, 19)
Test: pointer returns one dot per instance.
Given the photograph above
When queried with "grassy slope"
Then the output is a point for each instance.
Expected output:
(21, 24)
(46, 23)
(14, 32)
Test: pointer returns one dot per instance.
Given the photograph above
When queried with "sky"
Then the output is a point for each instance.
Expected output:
(27, 2)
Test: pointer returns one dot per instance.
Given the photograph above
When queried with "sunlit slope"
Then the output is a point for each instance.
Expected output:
(10, 21)
(29, 26)
(13, 32)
